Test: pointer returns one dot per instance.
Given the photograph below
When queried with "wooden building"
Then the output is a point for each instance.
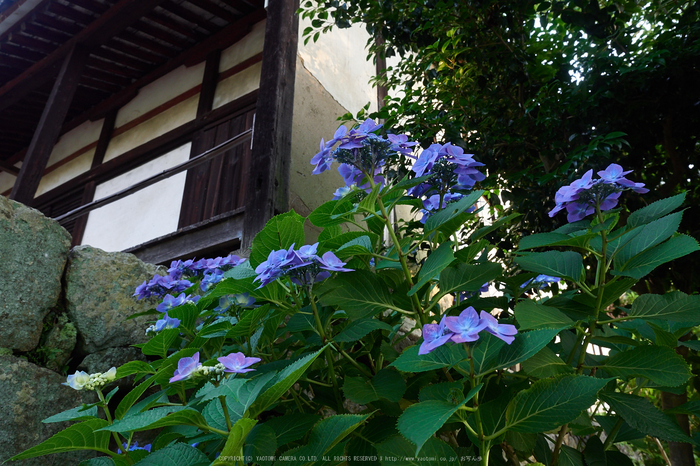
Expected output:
(169, 128)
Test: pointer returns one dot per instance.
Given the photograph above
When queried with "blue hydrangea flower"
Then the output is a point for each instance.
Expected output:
(434, 335)
(505, 332)
(466, 326)
(164, 323)
(170, 302)
(237, 363)
(330, 262)
(211, 278)
(78, 380)
(541, 281)
(186, 367)
(135, 446)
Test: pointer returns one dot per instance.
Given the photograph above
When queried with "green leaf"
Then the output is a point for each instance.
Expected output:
(134, 367)
(161, 343)
(368, 204)
(357, 246)
(177, 454)
(420, 421)
(554, 239)
(358, 293)
(359, 328)
(451, 211)
(79, 413)
(132, 397)
(555, 263)
(649, 236)
(569, 456)
(434, 264)
(338, 241)
(642, 264)
(546, 364)
(329, 233)
(280, 232)
(525, 346)
(187, 313)
(530, 314)
(643, 416)
(463, 277)
(261, 444)
(249, 322)
(655, 210)
(483, 231)
(550, 403)
(284, 380)
(484, 353)
(691, 407)
(328, 433)
(442, 356)
(661, 365)
(625, 432)
(402, 452)
(235, 440)
(386, 384)
(675, 306)
(292, 427)
(332, 213)
(594, 453)
(158, 417)
(81, 436)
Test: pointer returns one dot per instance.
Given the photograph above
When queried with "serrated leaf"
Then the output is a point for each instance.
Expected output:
(358, 293)
(326, 434)
(260, 445)
(161, 343)
(554, 239)
(292, 427)
(402, 452)
(420, 421)
(442, 356)
(280, 232)
(546, 364)
(434, 264)
(463, 277)
(659, 364)
(525, 346)
(235, 440)
(642, 264)
(483, 231)
(357, 246)
(649, 236)
(332, 213)
(451, 211)
(81, 436)
(158, 419)
(359, 328)
(643, 416)
(282, 382)
(131, 398)
(594, 453)
(385, 384)
(368, 203)
(187, 314)
(655, 210)
(550, 403)
(249, 322)
(177, 454)
(624, 434)
(675, 306)
(134, 367)
(530, 315)
(78, 413)
(451, 392)
(567, 264)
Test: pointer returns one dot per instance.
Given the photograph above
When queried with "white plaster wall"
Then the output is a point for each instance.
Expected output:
(158, 125)
(315, 113)
(338, 61)
(65, 172)
(161, 90)
(142, 216)
(249, 46)
(237, 85)
(75, 139)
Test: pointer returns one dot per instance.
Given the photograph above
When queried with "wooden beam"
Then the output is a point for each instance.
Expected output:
(114, 21)
(11, 169)
(209, 82)
(49, 127)
(268, 190)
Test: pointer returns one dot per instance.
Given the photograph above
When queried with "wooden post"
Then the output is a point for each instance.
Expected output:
(49, 127)
(268, 190)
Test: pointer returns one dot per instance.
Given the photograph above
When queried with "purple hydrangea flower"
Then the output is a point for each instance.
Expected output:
(541, 281)
(211, 278)
(186, 367)
(434, 335)
(342, 192)
(237, 363)
(466, 326)
(505, 332)
(165, 322)
(330, 262)
(170, 302)
(135, 446)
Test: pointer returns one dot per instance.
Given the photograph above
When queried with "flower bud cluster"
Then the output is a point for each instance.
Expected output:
(84, 381)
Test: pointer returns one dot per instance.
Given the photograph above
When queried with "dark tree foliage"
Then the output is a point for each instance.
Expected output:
(543, 91)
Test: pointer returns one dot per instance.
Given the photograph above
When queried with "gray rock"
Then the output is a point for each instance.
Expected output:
(33, 249)
(99, 297)
(29, 394)
(60, 343)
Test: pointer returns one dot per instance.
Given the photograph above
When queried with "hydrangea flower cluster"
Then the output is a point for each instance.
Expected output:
(581, 197)
(464, 328)
(540, 282)
(189, 367)
(361, 153)
(171, 302)
(303, 266)
(84, 381)
(243, 300)
(211, 271)
(449, 169)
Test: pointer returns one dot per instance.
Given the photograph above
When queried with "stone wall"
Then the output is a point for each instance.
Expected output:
(60, 310)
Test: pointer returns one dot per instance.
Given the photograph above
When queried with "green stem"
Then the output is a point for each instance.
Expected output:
(327, 352)
(354, 363)
(222, 399)
(613, 433)
(557, 446)
(108, 415)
